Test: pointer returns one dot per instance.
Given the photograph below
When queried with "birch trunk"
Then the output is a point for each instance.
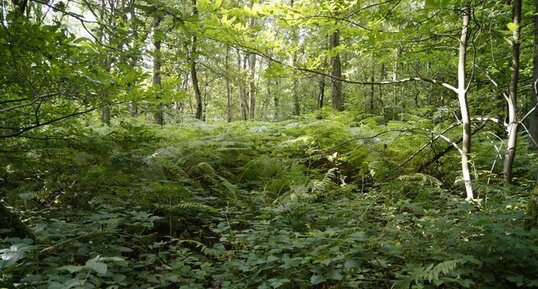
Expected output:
(513, 121)
(462, 99)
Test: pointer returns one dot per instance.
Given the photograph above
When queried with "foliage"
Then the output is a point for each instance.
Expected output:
(284, 205)
(366, 198)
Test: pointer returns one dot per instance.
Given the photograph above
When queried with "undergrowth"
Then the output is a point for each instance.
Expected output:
(308, 203)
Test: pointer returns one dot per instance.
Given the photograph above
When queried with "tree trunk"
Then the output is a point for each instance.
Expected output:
(229, 111)
(133, 109)
(372, 90)
(157, 59)
(252, 77)
(180, 105)
(295, 84)
(276, 102)
(533, 118)
(105, 114)
(336, 73)
(321, 97)
(513, 121)
(205, 99)
(133, 105)
(296, 101)
(194, 75)
(462, 99)
(381, 93)
(252, 85)
(242, 90)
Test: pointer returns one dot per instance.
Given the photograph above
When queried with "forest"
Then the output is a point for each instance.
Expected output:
(268, 144)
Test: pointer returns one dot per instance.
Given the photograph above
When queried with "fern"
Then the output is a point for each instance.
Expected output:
(432, 273)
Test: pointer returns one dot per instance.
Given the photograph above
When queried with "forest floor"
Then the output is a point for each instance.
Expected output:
(308, 203)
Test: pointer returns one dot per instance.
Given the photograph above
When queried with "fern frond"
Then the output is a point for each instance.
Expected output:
(432, 273)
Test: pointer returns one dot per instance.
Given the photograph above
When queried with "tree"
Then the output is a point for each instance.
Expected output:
(157, 63)
(464, 109)
(533, 118)
(194, 73)
(252, 78)
(336, 73)
(513, 122)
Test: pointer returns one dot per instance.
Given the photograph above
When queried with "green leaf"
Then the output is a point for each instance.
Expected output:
(317, 279)
(351, 264)
(96, 266)
(512, 26)
(334, 274)
(276, 283)
(72, 268)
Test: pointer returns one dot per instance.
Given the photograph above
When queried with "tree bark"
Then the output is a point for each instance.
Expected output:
(533, 118)
(252, 79)
(513, 122)
(464, 109)
(242, 90)
(180, 105)
(295, 93)
(133, 106)
(321, 97)
(194, 74)
(276, 102)
(372, 90)
(252, 86)
(336, 84)
(105, 114)
(156, 81)
(229, 111)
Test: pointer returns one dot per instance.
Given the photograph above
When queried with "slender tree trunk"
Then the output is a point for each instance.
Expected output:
(372, 89)
(267, 102)
(252, 85)
(242, 90)
(133, 106)
(133, 109)
(252, 77)
(205, 99)
(180, 105)
(157, 59)
(381, 100)
(462, 99)
(197, 94)
(533, 118)
(513, 121)
(295, 84)
(321, 97)
(105, 114)
(229, 111)
(194, 75)
(336, 84)
(276, 102)
(105, 110)
(296, 101)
